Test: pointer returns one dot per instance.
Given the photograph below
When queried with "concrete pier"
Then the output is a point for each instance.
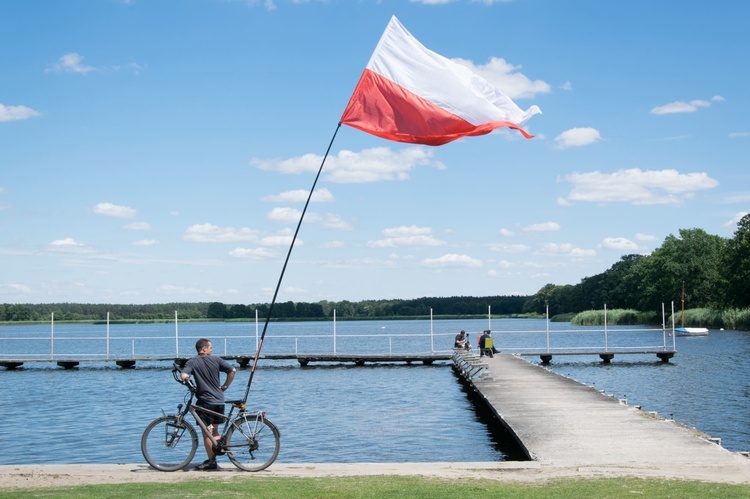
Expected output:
(560, 422)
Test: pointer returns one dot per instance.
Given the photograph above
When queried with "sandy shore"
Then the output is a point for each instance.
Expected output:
(12, 476)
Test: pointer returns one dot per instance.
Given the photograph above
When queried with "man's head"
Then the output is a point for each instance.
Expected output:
(462, 332)
(203, 346)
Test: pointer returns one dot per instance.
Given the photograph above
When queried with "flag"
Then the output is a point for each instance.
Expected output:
(408, 93)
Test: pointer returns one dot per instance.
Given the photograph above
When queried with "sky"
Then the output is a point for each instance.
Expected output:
(157, 152)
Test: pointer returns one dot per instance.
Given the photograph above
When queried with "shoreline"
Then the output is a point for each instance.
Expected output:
(67, 475)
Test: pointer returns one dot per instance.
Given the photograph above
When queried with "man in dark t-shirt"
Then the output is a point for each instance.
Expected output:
(205, 368)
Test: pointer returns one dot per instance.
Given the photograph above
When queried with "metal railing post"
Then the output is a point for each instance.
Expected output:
(432, 338)
(606, 338)
(334, 331)
(107, 336)
(52, 337)
(547, 324)
(176, 337)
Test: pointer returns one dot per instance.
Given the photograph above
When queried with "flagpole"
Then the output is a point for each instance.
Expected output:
(283, 269)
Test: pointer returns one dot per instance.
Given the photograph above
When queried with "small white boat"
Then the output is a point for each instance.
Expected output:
(688, 331)
(691, 331)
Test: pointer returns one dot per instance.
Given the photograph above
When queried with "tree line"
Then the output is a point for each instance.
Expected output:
(323, 310)
(715, 272)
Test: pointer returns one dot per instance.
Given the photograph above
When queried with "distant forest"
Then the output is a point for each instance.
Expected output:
(345, 310)
(714, 271)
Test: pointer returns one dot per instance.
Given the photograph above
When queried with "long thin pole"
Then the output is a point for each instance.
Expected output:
(283, 269)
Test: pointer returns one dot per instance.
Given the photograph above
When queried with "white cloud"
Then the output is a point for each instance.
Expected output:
(736, 219)
(113, 210)
(286, 215)
(70, 63)
(734, 135)
(208, 233)
(637, 186)
(68, 242)
(146, 242)
(565, 249)
(331, 221)
(576, 137)
(685, 107)
(547, 226)
(283, 238)
(618, 243)
(15, 288)
(406, 236)
(253, 253)
(300, 196)
(370, 165)
(452, 260)
(137, 226)
(503, 76)
(505, 232)
(510, 248)
(16, 113)
(645, 237)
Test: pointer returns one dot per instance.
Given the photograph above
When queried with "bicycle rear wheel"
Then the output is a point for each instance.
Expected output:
(169, 444)
(253, 442)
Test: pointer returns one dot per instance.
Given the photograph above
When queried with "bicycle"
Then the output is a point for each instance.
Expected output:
(249, 440)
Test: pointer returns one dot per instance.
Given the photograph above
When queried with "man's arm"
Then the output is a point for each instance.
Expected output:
(230, 378)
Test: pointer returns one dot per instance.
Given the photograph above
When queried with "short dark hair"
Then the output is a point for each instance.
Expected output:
(200, 344)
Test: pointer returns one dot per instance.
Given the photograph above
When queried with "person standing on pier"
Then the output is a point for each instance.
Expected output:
(206, 369)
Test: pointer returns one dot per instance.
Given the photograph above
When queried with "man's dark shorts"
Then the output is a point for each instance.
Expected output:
(209, 418)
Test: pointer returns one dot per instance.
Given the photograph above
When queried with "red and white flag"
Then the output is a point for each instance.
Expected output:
(408, 93)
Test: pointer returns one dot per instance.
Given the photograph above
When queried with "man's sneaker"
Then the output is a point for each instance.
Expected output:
(207, 465)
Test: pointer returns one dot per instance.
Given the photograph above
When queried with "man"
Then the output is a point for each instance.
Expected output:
(205, 368)
(461, 341)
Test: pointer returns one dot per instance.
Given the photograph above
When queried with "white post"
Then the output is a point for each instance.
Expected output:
(107, 335)
(334, 331)
(673, 333)
(52, 337)
(489, 317)
(257, 340)
(663, 327)
(432, 338)
(547, 323)
(176, 337)
(606, 342)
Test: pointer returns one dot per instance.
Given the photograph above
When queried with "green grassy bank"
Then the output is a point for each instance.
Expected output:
(395, 486)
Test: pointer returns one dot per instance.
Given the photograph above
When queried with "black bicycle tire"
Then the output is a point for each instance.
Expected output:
(151, 460)
(274, 431)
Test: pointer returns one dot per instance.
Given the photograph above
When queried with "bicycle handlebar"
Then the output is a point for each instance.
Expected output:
(177, 375)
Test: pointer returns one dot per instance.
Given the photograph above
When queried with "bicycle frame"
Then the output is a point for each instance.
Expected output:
(248, 438)
(220, 445)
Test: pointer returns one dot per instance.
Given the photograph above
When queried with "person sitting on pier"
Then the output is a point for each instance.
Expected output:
(486, 346)
(461, 341)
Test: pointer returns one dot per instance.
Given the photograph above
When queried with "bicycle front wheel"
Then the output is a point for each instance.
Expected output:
(169, 443)
(253, 442)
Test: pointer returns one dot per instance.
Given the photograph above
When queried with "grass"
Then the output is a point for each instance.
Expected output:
(615, 317)
(394, 486)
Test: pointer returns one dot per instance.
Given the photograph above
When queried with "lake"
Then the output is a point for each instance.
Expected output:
(342, 413)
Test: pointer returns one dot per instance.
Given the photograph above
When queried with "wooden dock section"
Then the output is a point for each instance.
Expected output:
(245, 360)
(562, 423)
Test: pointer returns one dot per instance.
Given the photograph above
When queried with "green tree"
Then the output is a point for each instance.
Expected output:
(693, 258)
(736, 267)
(217, 310)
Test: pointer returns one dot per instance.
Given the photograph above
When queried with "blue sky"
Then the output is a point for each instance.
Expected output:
(155, 151)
